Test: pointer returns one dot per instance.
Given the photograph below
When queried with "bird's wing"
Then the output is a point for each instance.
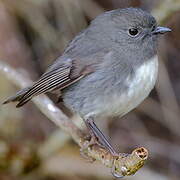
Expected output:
(58, 76)
(78, 60)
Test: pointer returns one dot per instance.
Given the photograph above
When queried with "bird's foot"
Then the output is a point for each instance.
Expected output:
(113, 169)
(90, 140)
(96, 137)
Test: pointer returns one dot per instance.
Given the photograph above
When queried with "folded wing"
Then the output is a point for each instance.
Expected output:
(57, 77)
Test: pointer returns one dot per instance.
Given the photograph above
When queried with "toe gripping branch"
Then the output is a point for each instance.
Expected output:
(122, 164)
(100, 149)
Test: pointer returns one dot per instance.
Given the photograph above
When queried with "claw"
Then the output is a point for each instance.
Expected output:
(85, 156)
(93, 140)
(113, 172)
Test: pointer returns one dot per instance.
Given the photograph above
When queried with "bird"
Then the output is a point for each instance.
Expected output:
(107, 70)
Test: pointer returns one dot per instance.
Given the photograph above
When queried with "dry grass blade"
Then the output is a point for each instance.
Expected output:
(165, 10)
(91, 8)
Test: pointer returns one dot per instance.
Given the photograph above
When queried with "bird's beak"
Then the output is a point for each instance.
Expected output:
(161, 30)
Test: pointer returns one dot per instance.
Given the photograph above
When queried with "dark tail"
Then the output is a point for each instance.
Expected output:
(19, 97)
(56, 78)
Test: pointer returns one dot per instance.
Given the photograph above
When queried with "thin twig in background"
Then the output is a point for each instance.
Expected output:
(169, 104)
(168, 99)
(165, 9)
(153, 109)
(91, 8)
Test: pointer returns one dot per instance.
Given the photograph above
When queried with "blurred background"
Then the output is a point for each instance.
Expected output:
(32, 34)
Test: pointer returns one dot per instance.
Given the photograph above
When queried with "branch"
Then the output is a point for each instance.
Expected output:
(122, 165)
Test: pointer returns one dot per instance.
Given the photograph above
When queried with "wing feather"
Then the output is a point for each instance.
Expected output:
(58, 77)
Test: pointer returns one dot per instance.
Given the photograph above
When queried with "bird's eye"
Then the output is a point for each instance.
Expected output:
(133, 32)
(153, 28)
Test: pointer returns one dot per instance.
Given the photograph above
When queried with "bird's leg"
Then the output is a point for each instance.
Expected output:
(97, 137)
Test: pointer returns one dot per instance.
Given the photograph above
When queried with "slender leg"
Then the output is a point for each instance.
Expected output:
(99, 136)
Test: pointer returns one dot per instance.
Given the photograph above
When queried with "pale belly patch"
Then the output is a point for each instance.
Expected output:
(139, 88)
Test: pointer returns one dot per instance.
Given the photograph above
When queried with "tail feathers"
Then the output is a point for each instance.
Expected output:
(19, 97)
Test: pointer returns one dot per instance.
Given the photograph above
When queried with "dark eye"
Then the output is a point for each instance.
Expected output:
(133, 31)
(153, 28)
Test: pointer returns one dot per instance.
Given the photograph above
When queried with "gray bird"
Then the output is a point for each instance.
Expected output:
(107, 70)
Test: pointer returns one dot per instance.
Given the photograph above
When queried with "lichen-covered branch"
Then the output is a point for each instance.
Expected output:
(121, 165)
